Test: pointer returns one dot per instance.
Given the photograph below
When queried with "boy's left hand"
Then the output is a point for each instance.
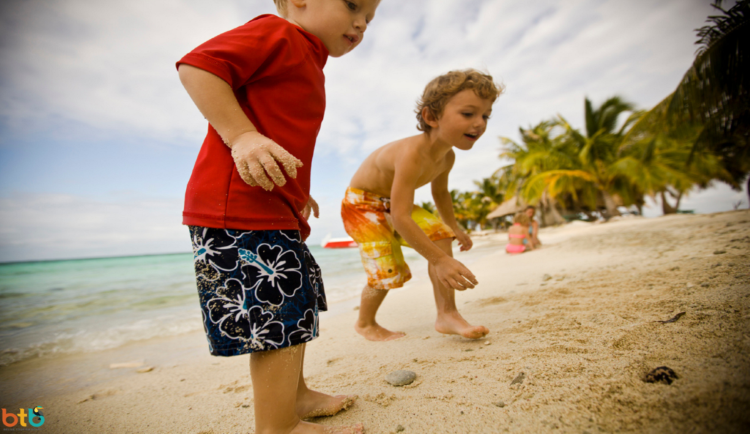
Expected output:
(463, 240)
(311, 207)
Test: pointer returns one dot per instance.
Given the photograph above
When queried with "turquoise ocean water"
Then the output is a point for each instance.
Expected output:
(60, 307)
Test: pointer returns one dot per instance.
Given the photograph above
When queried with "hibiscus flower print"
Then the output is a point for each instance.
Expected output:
(316, 281)
(307, 328)
(229, 310)
(216, 247)
(291, 236)
(202, 247)
(265, 334)
(275, 272)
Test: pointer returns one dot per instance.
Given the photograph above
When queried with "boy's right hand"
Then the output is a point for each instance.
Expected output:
(255, 156)
(454, 274)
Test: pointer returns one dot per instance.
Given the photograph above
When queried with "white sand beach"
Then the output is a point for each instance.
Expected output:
(577, 318)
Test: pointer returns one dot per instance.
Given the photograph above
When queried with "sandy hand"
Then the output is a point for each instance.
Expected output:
(454, 274)
(256, 156)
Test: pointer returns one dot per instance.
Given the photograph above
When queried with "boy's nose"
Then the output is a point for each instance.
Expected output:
(360, 24)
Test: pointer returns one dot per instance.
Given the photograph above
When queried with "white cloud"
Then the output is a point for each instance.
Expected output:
(47, 226)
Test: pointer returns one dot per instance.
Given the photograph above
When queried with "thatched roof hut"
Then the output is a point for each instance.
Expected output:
(510, 206)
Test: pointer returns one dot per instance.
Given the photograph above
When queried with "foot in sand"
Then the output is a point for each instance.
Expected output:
(377, 333)
(316, 404)
(455, 324)
(312, 428)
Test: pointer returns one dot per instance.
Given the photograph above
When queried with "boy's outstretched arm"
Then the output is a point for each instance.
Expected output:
(449, 271)
(254, 154)
(444, 205)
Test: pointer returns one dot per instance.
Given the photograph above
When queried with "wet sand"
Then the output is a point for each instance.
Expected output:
(577, 318)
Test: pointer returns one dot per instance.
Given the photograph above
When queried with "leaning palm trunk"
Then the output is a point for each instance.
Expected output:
(550, 215)
(666, 208)
(610, 205)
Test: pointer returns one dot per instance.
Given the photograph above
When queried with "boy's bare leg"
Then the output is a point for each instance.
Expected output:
(449, 321)
(368, 308)
(315, 404)
(275, 376)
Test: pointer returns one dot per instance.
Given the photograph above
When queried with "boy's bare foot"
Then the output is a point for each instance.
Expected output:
(314, 428)
(377, 333)
(316, 404)
(455, 324)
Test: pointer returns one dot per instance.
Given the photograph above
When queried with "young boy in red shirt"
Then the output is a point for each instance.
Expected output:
(261, 88)
(379, 212)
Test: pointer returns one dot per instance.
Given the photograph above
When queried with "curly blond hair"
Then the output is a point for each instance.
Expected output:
(443, 88)
(522, 219)
(280, 7)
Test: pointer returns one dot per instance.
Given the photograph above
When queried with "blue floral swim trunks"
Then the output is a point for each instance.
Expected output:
(259, 290)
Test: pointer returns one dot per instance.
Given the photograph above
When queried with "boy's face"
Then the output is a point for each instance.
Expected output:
(340, 24)
(464, 119)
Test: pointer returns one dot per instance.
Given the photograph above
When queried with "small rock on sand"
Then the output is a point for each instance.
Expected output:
(519, 379)
(720, 252)
(662, 374)
(400, 428)
(144, 370)
(401, 377)
(500, 404)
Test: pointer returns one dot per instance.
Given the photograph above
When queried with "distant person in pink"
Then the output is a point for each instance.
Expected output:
(518, 235)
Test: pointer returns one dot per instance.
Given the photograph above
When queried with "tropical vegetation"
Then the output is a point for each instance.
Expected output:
(696, 135)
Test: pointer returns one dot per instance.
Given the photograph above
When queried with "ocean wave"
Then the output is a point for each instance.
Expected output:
(92, 339)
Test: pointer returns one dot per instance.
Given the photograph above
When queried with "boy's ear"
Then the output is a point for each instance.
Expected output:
(429, 117)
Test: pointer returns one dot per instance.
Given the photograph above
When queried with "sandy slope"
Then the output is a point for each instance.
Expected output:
(584, 339)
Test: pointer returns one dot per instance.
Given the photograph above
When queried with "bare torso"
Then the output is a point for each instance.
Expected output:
(377, 172)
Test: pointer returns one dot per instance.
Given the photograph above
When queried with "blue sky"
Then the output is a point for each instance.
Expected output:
(98, 138)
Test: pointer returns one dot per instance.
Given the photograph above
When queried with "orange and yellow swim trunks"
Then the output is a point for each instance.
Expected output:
(367, 219)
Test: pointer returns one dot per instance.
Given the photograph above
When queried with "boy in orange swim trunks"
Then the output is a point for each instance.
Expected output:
(379, 211)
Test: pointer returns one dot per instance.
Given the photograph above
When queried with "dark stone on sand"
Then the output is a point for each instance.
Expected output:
(400, 428)
(519, 379)
(720, 252)
(673, 319)
(401, 378)
(662, 374)
(500, 404)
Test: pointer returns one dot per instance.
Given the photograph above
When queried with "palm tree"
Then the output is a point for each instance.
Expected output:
(711, 106)
(659, 167)
(541, 150)
(559, 160)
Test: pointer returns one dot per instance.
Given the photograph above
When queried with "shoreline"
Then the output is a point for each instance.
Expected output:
(584, 338)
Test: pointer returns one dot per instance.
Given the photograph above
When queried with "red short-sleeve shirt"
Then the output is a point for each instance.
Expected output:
(276, 71)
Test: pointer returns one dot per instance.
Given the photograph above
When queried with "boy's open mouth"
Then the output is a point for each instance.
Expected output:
(472, 136)
(352, 39)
